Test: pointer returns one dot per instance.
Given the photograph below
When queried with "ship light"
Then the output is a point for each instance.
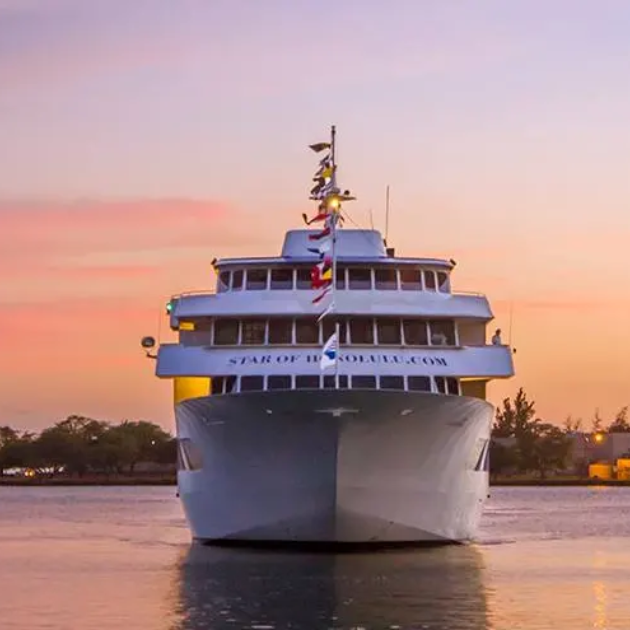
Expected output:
(169, 307)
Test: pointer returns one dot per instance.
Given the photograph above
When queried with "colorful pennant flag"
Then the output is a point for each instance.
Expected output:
(318, 147)
(322, 248)
(329, 309)
(329, 353)
(319, 235)
(321, 296)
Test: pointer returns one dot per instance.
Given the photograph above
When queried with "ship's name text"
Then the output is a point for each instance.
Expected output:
(349, 358)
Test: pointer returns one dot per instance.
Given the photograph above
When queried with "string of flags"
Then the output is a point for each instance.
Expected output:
(330, 197)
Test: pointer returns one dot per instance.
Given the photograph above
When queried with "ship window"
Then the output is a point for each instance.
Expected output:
(237, 280)
(442, 333)
(329, 326)
(341, 278)
(278, 382)
(230, 384)
(359, 279)
(256, 279)
(361, 330)
(440, 384)
(419, 383)
(306, 331)
(307, 382)
(410, 279)
(226, 332)
(216, 383)
(329, 381)
(304, 278)
(282, 278)
(415, 332)
(188, 455)
(429, 280)
(385, 279)
(364, 382)
(452, 386)
(443, 282)
(388, 331)
(251, 383)
(280, 331)
(392, 382)
(224, 281)
(253, 332)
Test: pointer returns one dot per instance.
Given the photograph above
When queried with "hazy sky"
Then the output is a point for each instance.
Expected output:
(139, 139)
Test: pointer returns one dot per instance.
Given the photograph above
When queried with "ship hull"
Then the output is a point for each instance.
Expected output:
(333, 467)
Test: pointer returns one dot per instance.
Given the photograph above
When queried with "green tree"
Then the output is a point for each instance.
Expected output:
(597, 424)
(514, 418)
(16, 449)
(550, 449)
(620, 423)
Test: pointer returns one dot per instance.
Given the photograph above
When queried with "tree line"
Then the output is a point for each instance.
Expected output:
(537, 446)
(80, 445)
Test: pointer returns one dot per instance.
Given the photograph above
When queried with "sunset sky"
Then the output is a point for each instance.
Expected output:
(141, 138)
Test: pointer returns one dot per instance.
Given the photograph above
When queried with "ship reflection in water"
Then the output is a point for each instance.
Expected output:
(426, 588)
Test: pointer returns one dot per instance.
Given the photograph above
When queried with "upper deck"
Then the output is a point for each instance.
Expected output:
(369, 279)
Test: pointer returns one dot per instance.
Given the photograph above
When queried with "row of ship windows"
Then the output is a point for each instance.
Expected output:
(352, 331)
(257, 383)
(406, 278)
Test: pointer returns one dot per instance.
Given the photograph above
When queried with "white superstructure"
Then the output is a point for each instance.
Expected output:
(390, 446)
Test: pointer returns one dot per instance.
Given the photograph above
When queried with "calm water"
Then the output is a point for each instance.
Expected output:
(101, 558)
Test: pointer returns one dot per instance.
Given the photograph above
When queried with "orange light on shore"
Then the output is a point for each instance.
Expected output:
(599, 437)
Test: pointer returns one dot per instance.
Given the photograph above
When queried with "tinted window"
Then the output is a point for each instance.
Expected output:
(329, 381)
(429, 280)
(388, 331)
(230, 384)
(359, 278)
(226, 332)
(256, 279)
(341, 278)
(306, 331)
(280, 331)
(303, 280)
(216, 384)
(392, 382)
(329, 326)
(415, 332)
(364, 382)
(442, 332)
(253, 332)
(237, 280)
(224, 281)
(278, 382)
(410, 279)
(419, 383)
(440, 384)
(361, 330)
(251, 383)
(385, 279)
(282, 279)
(443, 282)
(307, 382)
(452, 386)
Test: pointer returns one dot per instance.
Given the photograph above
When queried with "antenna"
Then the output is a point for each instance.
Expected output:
(510, 324)
(371, 219)
(386, 212)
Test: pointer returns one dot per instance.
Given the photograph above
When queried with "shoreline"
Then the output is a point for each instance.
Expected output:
(171, 480)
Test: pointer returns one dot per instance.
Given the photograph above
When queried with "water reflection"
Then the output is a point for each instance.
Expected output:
(428, 588)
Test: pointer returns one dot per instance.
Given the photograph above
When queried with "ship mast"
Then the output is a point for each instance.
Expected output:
(324, 274)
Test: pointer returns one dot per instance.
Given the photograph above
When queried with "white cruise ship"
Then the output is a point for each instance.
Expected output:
(313, 411)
